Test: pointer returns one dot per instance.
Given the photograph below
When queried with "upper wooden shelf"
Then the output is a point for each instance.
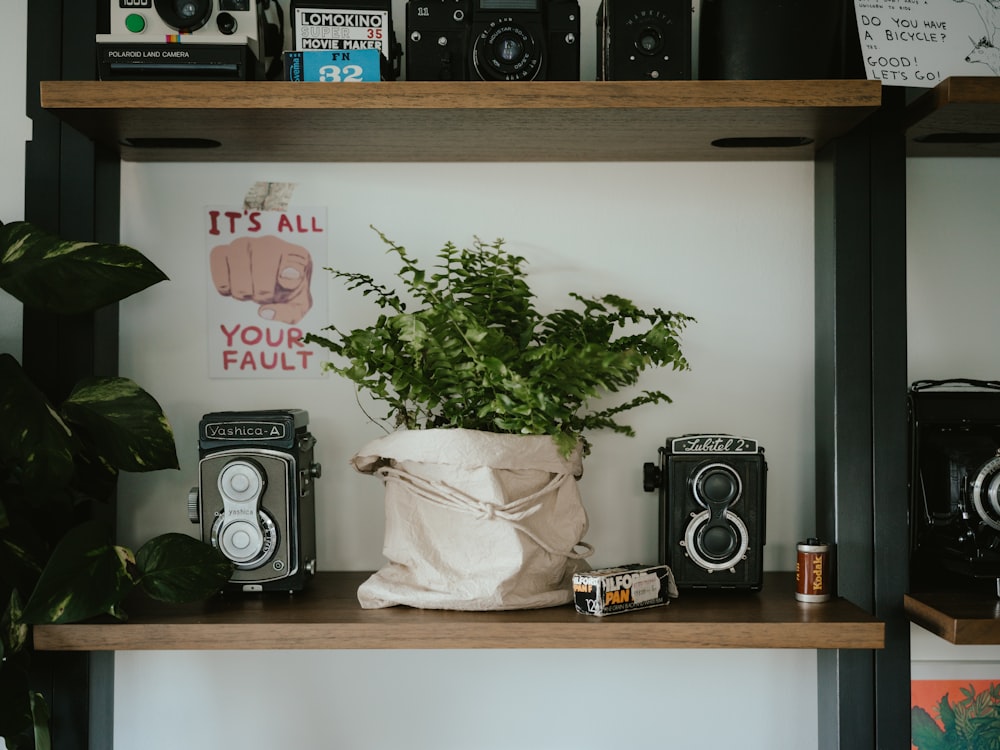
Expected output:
(412, 121)
(960, 617)
(327, 616)
(958, 117)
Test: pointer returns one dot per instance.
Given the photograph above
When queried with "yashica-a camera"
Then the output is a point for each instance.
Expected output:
(493, 40)
(256, 499)
(954, 484)
(185, 40)
(644, 40)
(712, 491)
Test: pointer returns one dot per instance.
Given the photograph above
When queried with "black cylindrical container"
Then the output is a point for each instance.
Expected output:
(778, 40)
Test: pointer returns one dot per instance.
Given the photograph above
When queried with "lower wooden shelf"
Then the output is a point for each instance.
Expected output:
(960, 617)
(327, 616)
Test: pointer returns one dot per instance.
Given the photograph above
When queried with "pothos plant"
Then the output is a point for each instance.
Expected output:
(58, 466)
(468, 348)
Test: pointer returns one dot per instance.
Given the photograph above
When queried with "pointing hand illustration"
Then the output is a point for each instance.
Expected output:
(267, 270)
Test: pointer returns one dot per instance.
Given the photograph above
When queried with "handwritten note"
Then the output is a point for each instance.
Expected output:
(922, 42)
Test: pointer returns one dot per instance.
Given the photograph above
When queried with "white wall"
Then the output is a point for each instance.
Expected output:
(953, 262)
(14, 131)
(729, 243)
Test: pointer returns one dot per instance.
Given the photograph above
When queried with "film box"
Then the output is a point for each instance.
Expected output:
(333, 66)
(610, 591)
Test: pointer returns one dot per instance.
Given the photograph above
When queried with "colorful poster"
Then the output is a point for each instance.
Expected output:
(262, 295)
(922, 42)
(955, 714)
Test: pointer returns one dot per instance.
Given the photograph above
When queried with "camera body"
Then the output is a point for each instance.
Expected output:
(182, 40)
(644, 40)
(712, 491)
(954, 487)
(255, 500)
(493, 40)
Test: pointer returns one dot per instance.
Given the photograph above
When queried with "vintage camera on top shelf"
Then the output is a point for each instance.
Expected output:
(493, 40)
(954, 429)
(712, 510)
(220, 40)
(644, 40)
(256, 498)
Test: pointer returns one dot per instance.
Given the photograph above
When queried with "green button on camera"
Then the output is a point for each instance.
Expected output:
(135, 23)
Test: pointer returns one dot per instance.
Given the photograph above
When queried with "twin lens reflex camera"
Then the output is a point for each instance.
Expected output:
(255, 500)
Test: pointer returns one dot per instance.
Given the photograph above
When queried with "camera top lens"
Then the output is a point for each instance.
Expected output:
(184, 15)
(649, 41)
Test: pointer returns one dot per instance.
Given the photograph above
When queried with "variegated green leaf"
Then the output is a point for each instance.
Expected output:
(86, 576)
(40, 717)
(49, 273)
(177, 568)
(124, 423)
(14, 633)
(34, 437)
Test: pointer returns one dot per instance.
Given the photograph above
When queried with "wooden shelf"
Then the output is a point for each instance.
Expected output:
(327, 616)
(414, 121)
(960, 617)
(958, 117)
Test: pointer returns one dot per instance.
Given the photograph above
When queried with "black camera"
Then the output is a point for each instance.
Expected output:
(644, 40)
(256, 499)
(493, 40)
(186, 40)
(954, 487)
(712, 510)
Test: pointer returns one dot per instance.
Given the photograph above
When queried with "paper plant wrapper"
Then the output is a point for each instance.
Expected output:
(475, 520)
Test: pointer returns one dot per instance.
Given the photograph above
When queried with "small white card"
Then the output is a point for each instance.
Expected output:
(922, 42)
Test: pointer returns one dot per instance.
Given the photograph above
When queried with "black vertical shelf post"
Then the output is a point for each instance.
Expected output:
(861, 495)
(70, 189)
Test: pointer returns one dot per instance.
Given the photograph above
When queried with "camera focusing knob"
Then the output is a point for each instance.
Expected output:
(650, 477)
(194, 505)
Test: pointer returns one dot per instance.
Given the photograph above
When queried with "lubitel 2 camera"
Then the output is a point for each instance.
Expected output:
(644, 40)
(185, 40)
(256, 499)
(493, 40)
(954, 486)
(712, 491)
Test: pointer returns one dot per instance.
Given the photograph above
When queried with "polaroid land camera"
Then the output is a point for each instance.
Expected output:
(194, 40)
(954, 428)
(256, 499)
(712, 507)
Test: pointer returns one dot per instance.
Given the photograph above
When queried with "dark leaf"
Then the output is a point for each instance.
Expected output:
(33, 436)
(124, 423)
(177, 568)
(87, 575)
(40, 718)
(49, 273)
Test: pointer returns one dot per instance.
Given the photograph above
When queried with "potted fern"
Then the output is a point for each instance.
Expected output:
(482, 506)
(58, 464)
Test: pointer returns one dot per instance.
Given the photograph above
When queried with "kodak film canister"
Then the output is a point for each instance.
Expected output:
(813, 571)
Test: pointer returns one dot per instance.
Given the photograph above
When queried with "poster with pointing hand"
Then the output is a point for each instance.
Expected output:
(921, 42)
(262, 294)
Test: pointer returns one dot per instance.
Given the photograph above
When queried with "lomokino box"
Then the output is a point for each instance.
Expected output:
(609, 591)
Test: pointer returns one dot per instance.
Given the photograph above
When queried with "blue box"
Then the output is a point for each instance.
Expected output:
(333, 66)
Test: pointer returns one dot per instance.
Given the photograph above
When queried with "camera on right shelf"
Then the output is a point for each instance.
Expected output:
(644, 40)
(954, 484)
